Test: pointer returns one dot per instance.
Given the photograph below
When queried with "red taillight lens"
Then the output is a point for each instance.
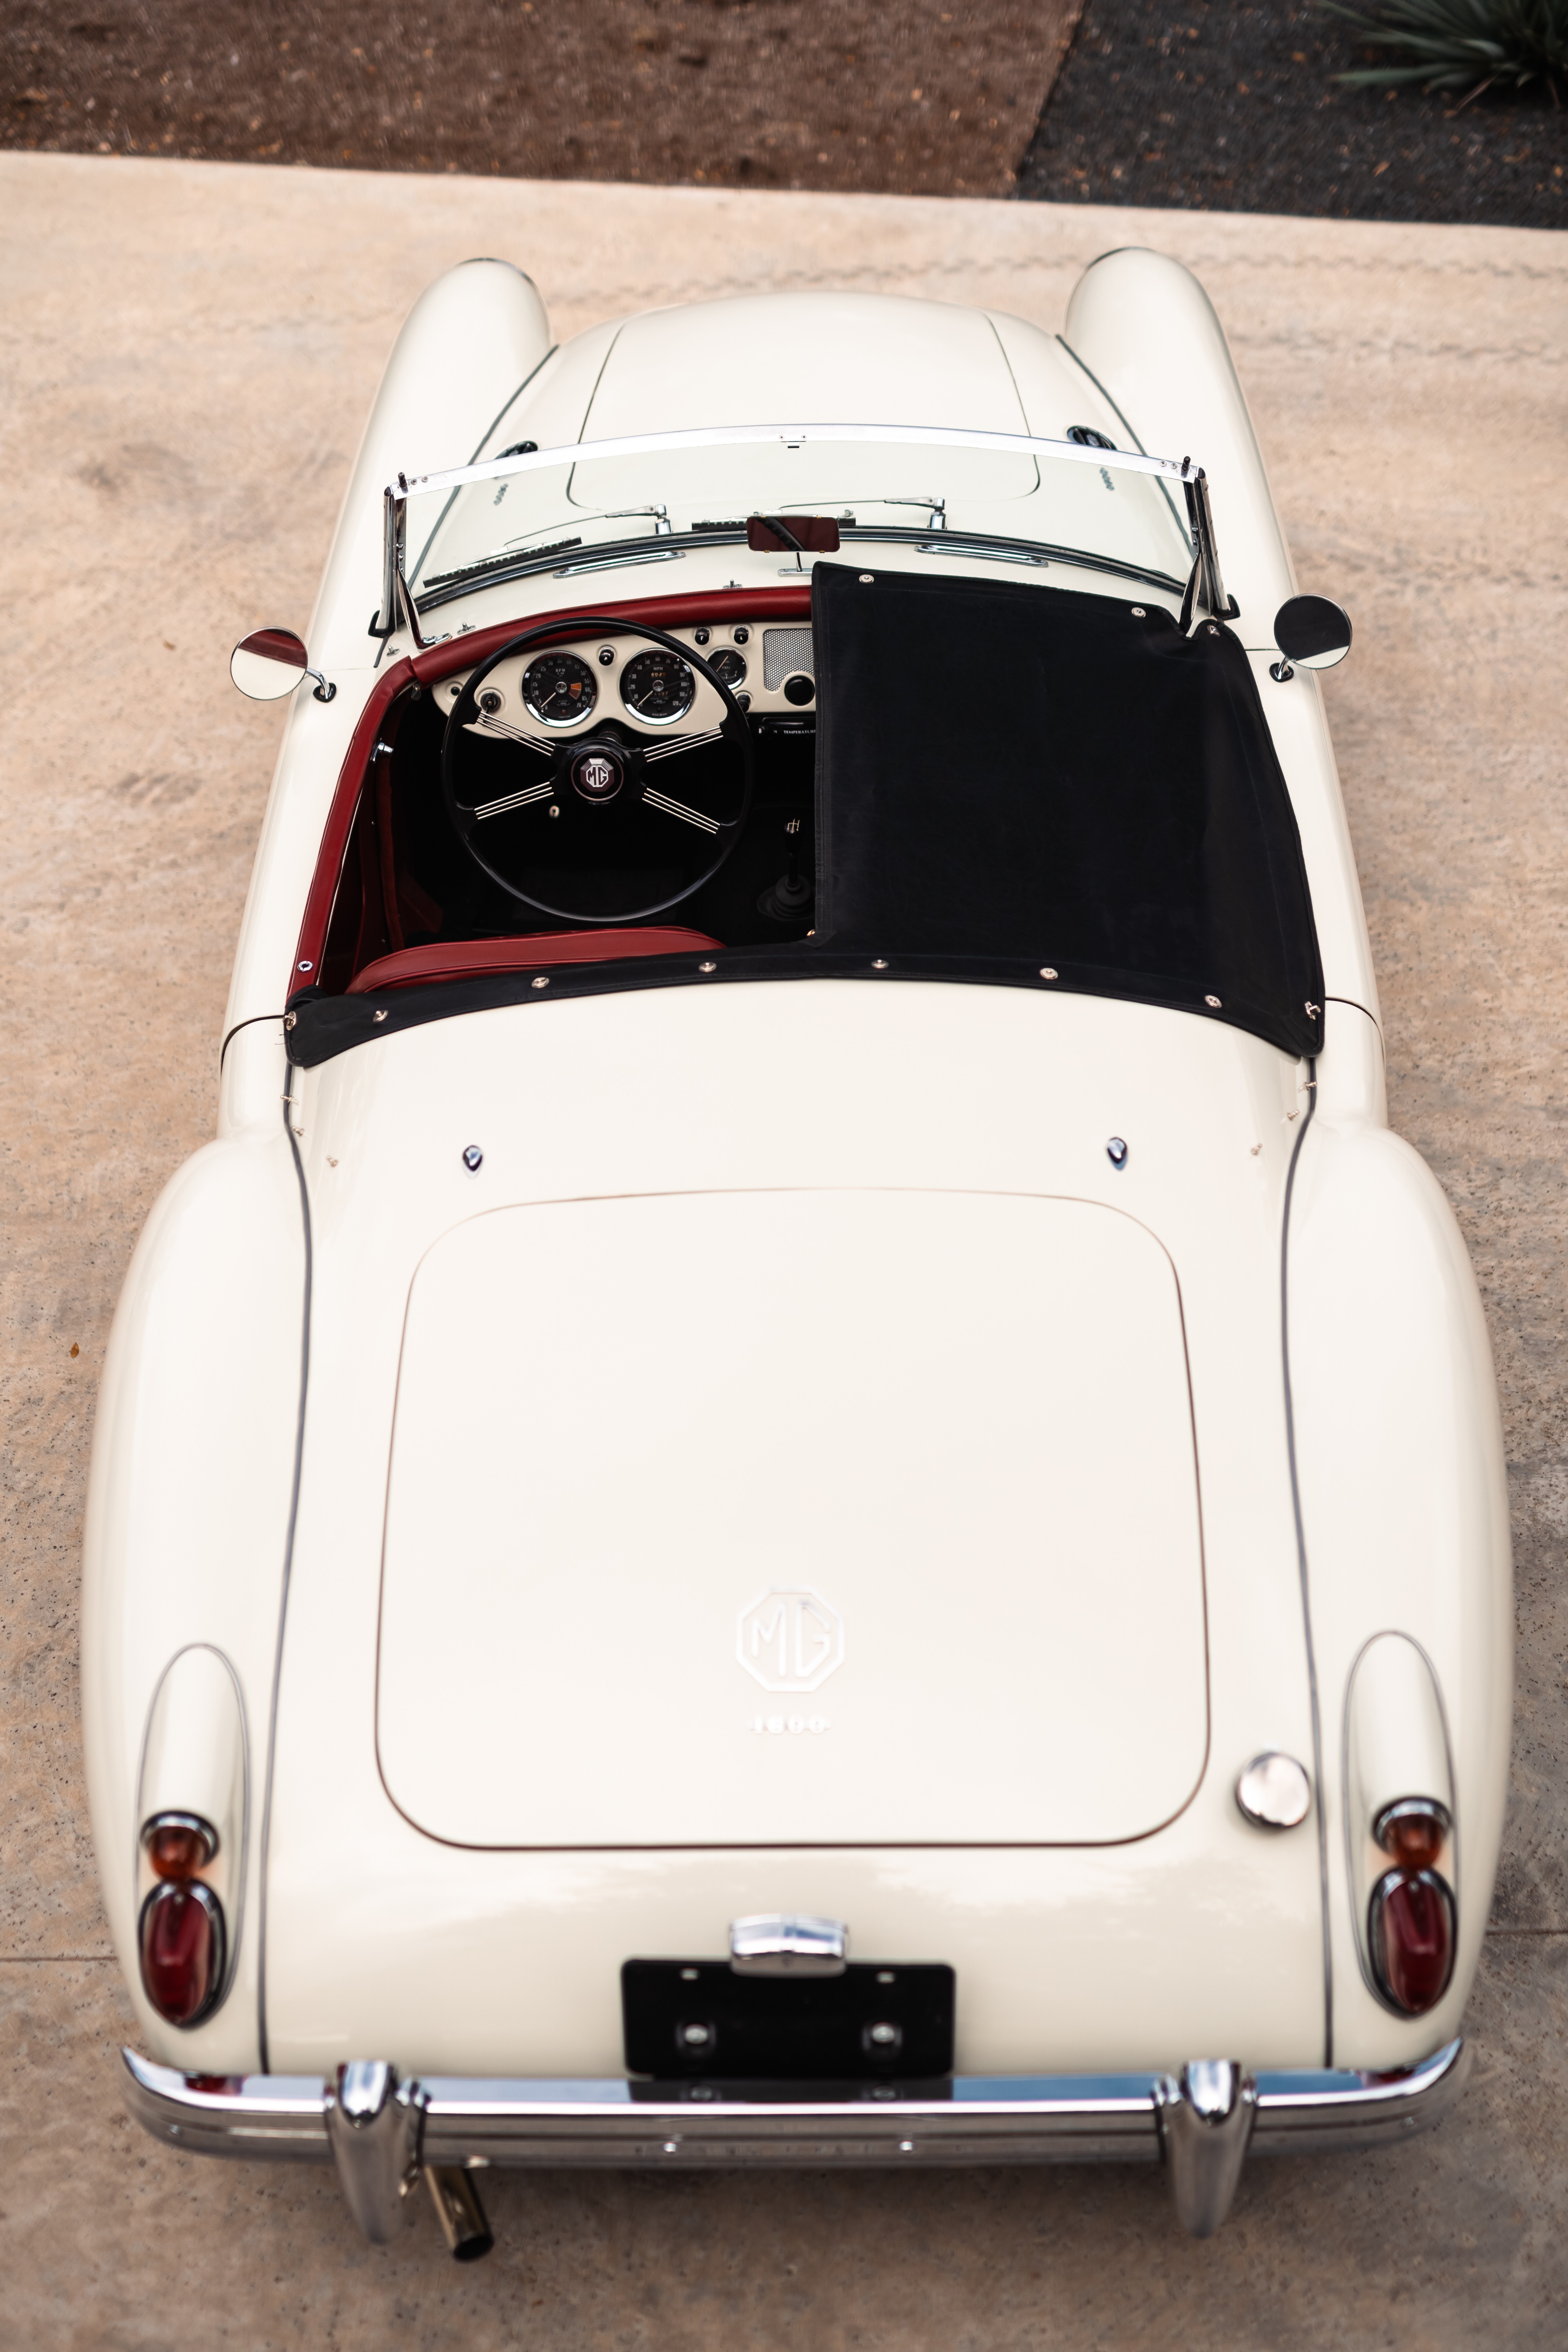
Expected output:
(1411, 1927)
(182, 1940)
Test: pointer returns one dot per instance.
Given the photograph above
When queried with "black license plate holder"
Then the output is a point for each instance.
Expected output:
(877, 2021)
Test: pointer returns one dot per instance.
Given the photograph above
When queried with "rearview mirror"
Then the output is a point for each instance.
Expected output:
(270, 663)
(1312, 633)
(792, 534)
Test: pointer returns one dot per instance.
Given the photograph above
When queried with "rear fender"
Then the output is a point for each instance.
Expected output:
(1404, 1513)
(187, 1521)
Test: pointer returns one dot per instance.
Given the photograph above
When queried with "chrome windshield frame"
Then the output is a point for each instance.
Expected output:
(397, 608)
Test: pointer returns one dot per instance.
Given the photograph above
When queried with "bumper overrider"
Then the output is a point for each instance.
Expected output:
(383, 2133)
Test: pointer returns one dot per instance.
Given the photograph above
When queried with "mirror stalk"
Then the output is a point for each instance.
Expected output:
(270, 663)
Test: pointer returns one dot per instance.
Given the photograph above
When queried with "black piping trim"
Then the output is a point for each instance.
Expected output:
(248, 1024)
(327, 1026)
(1356, 1006)
(1301, 1564)
(283, 1596)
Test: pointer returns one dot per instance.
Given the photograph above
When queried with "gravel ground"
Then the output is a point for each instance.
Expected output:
(882, 95)
(1228, 107)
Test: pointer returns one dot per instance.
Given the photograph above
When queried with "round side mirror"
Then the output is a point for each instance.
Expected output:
(1313, 632)
(268, 664)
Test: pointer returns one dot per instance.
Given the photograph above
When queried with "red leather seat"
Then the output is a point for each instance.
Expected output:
(473, 959)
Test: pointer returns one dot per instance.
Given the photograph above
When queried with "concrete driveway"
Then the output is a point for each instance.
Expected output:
(190, 352)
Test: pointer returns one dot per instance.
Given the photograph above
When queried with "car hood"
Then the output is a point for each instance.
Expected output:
(837, 1516)
(764, 359)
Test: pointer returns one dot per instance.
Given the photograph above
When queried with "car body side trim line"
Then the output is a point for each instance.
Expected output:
(1303, 1570)
(265, 1839)
(610, 2121)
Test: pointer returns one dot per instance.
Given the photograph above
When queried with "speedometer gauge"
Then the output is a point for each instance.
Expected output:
(657, 687)
(559, 689)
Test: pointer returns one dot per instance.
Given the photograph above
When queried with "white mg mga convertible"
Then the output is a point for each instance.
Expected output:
(805, 1481)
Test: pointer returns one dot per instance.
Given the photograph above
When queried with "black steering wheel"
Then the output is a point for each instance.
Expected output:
(584, 817)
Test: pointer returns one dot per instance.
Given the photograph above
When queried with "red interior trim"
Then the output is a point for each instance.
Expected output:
(467, 958)
(438, 662)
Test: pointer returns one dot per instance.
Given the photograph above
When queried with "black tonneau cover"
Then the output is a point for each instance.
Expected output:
(1019, 772)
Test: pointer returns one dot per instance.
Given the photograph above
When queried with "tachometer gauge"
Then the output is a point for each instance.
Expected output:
(659, 686)
(728, 664)
(559, 689)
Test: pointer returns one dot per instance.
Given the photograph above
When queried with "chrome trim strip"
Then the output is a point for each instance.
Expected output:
(619, 562)
(983, 2119)
(973, 550)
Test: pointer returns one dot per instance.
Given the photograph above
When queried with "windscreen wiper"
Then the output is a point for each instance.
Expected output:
(1037, 553)
(496, 570)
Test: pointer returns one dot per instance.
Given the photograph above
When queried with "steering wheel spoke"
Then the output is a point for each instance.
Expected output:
(488, 724)
(509, 800)
(667, 807)
(682, 743)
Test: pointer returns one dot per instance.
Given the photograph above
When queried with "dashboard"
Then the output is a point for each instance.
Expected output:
(562, 691)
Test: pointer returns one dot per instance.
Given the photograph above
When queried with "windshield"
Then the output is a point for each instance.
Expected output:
(657, 500)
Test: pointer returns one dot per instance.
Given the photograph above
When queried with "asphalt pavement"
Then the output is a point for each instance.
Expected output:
(190, 350)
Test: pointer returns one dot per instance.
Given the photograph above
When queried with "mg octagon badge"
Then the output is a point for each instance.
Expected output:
(791, 1639)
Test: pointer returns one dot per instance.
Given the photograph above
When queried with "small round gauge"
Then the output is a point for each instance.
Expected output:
(728, 664)
(659, 686)
(559, 689)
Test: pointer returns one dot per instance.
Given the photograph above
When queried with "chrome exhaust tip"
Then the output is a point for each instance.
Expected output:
(458, 2209)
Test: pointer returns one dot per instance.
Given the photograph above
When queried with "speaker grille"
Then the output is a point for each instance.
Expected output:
(785, 651)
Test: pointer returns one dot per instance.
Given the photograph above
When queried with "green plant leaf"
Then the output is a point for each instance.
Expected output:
(1463, 41)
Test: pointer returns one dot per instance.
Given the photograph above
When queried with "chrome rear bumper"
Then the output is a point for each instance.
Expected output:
(973, 2119)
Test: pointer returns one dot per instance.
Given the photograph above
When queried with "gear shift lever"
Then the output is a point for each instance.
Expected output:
(788, 899)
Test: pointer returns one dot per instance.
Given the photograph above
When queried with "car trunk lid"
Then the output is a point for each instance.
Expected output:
(793, 1518)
